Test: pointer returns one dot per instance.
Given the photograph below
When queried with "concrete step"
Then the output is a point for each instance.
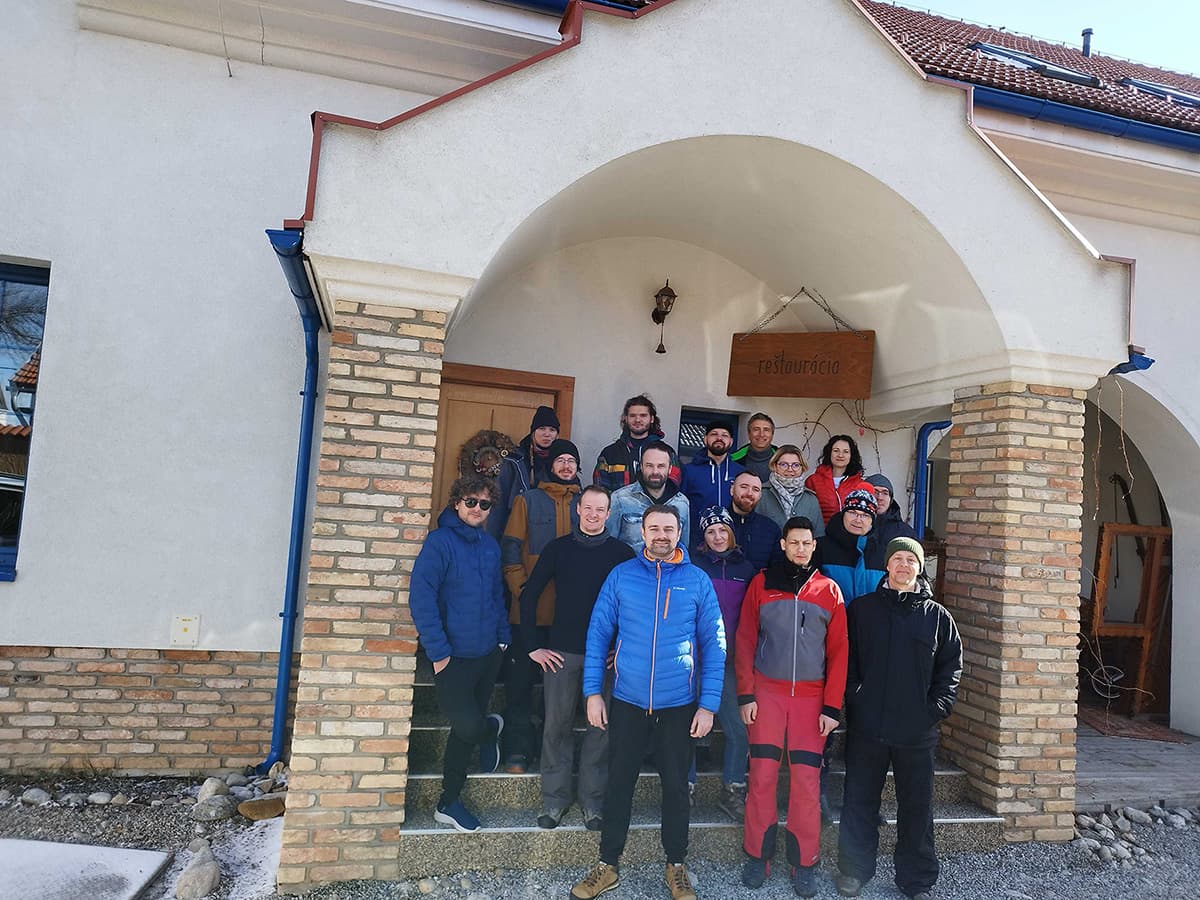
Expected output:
(509, 837)
(524, 792)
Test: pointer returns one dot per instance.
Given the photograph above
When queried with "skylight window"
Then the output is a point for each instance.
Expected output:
(1026, 61)
(1165, 91)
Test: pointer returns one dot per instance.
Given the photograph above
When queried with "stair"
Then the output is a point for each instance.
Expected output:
(508, 806)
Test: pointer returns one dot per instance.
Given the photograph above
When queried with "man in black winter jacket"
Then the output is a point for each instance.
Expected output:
(902, 680)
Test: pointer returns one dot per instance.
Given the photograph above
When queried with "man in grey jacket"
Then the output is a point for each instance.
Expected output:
(653, 486)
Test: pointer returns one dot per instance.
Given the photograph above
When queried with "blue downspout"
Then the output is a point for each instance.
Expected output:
(287, 246)
(921, 478)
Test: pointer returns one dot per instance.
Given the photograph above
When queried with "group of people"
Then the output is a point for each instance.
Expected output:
(662, 597)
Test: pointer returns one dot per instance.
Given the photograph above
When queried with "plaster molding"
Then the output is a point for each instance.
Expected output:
(380, 284)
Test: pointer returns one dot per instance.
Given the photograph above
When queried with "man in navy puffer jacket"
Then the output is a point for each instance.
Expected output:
(660, 615)
(457, 603)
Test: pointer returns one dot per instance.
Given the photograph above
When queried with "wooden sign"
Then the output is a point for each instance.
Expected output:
(827, 364)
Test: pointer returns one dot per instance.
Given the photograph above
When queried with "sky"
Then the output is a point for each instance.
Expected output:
(1164, 33)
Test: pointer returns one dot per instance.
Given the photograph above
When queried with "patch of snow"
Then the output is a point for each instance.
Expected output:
(249, 858)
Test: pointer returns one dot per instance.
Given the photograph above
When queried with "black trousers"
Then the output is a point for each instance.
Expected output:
(520, 737)
(464, 689)
(867, 763)
(632, 731)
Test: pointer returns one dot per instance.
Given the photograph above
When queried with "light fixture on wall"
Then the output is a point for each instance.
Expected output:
(664, 302)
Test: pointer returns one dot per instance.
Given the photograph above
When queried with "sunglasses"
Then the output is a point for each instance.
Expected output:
(472, 502)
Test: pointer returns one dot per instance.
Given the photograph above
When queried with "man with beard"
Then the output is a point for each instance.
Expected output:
(524, 469)
(620, 462)
(905, 665)
(661, 615)
(755, 455)
(538, 516)
(708, 477)
(653, 486)
(757, 535)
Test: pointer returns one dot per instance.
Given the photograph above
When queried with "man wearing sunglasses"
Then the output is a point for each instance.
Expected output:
(457, 603)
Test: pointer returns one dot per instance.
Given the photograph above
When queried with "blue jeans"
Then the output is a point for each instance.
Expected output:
(737, 745)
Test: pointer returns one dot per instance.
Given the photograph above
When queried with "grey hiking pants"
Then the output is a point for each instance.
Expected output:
(562, 696)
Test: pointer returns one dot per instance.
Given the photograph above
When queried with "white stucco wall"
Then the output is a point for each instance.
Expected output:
(584, 311)
(164, 447)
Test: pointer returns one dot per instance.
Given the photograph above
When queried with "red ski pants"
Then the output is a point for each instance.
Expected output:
(785, 723)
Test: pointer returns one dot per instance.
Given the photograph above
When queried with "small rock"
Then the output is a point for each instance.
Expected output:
(465, 884)
(100, 798)
(199, 844)
(426, 885)
(237, 779)
(156, 802)
(1085, 821)
(1122, 825)
(35, 797)
(1090, 843)
(1106, 854)
(1176, 821)
(1184, 814)
(1137, 851)
(1158, 812)
(73, 800)
(213, 809)
(212, 787)
(200, 878)
(1127, 864)
(120, 800)
(5, 795)
(475, 895)
(268, 807)
(1106, 834)
(266, 785)
(187, 801)
(1120, 852)
(1137, 815)
(1105, 820)
(276, 770)
(240, 793)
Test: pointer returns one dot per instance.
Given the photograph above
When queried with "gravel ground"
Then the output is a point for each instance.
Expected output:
(1020, 872)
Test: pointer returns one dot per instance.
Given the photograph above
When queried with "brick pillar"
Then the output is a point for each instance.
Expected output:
(374, 488)
(1012, 582)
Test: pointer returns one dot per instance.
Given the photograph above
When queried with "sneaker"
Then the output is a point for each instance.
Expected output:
(603, 877)
(804, 881)
(592, 820)
(848, 885)
(457, 815)
(678, 882)
(516, 764)
(550, 818)
(733, 801)
(755, 872)
(489, 749)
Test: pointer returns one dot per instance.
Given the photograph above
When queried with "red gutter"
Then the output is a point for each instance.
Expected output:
(571, 29)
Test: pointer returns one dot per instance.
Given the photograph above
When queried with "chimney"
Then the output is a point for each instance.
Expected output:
(1087, 42)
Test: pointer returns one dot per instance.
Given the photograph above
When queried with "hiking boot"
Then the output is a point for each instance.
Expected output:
(489, 748)
(732, 801)
(516, 764)
(678, 882)
(603, 877)
(755, 872)
(848, 885)
(592, 820)
(550, 818)
(457, 815)
(804, 881)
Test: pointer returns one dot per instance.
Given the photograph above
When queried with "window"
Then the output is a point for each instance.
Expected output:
(1165, 91)
(23, 294)
(1026, 61)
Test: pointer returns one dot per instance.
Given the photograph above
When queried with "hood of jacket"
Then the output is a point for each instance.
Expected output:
(448, 518)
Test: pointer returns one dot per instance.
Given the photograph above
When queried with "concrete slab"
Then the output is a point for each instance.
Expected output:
(41, 870)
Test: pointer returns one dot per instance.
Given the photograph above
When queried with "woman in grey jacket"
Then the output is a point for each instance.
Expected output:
(784, 494)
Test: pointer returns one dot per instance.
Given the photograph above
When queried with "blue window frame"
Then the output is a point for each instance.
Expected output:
(1029, 61)
(23, 294)
(1164, 91)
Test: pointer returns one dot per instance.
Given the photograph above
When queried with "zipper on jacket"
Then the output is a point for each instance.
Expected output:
(667, 605)
(795, 640)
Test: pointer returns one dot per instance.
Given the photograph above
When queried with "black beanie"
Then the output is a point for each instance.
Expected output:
(542, 417)
(560, 447)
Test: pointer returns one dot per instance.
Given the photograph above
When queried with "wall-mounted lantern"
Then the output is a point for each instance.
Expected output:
(664, 302)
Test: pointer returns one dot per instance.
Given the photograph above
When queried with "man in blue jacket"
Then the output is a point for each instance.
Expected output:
(708, 477)
(660, 616)
(457, 604)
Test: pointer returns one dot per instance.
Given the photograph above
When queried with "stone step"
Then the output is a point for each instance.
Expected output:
(427, 744)
(524, 792)
(509, 838)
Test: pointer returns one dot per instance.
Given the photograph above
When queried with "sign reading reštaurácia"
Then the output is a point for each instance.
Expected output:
(835, 364)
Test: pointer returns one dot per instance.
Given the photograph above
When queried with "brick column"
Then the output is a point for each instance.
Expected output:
(1012, 582)
(374, 488)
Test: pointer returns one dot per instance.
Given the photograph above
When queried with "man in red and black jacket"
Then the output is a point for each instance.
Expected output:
(790, 661)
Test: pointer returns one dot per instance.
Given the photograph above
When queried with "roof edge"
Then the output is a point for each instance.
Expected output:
(571, 29)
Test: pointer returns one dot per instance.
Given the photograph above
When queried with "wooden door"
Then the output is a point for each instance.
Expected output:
(479, 397)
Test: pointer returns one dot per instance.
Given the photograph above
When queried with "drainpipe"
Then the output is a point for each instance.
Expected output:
(288, 248)
(921, 478)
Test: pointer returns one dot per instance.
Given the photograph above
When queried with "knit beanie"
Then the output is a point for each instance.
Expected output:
(861, 500)
(542, 417)
(715, 515)
(905, 543)
(715, 424)
(881, 481)
(562, 447)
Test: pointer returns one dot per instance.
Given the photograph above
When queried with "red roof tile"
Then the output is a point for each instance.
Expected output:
(940, 47)
(27, 375)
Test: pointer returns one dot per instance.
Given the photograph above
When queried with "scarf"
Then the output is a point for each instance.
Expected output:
(789, 488)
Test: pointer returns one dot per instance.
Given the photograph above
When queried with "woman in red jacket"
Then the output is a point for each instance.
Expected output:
(840, 472)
